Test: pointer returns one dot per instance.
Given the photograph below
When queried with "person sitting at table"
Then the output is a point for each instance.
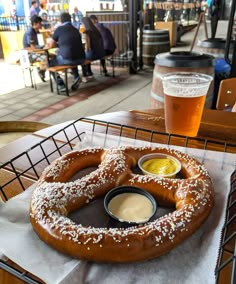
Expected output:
(108, 41)
(70, 50)
(94, 48)
(30, 41)
(45, 23)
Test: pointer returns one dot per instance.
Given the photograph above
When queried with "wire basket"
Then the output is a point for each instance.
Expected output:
(23, 170)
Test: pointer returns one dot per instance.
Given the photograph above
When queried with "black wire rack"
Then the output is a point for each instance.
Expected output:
(17, 174)
(226, 263)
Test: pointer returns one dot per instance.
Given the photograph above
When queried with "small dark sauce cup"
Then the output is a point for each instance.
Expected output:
(116, 222)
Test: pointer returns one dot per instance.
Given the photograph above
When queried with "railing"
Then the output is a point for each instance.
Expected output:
(17, 23)
(13, 23)
(119, 24)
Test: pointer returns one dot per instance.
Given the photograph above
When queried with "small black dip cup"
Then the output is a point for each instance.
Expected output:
(116, 222)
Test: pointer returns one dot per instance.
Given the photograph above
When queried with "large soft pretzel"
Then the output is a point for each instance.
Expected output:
(55, 197)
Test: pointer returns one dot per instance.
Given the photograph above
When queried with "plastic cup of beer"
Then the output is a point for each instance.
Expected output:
(82, 28)
(184, 96)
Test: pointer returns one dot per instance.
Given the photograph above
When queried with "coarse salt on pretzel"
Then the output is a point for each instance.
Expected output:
(55, 197)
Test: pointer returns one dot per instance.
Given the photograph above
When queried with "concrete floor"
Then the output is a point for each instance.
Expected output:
(103, 94)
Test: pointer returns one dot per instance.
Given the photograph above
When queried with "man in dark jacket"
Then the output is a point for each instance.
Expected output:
(108, 41)
(70, 49)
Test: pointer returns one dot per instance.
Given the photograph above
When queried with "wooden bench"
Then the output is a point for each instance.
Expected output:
(59, 68)
(64, 69)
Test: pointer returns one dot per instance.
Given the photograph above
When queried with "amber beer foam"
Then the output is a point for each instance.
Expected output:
(185, 95)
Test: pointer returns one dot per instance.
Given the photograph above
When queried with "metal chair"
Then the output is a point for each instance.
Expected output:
(27, 66)
(227, 94)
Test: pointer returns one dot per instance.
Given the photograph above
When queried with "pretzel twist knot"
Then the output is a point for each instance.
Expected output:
(55, 197)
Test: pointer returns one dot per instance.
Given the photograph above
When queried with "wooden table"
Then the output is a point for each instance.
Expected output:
(216, 125)
(146, 125)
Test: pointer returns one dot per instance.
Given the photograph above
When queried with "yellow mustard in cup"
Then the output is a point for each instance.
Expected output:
(160, 165)
(163, 166)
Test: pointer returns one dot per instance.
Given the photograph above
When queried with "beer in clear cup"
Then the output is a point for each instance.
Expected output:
(184, 96)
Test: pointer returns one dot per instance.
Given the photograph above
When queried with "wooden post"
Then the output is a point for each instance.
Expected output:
(201, 18)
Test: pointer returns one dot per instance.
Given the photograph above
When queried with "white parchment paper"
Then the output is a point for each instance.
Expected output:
(191, 262)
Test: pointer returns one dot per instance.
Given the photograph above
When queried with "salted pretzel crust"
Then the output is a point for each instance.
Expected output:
(55, 197)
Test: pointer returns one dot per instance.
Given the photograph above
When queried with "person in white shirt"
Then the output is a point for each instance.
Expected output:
(77, 17)
(42, 10)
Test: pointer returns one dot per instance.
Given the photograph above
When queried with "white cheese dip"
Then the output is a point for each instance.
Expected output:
(131, 207)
